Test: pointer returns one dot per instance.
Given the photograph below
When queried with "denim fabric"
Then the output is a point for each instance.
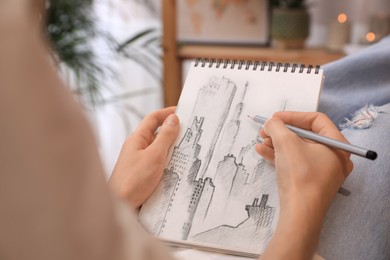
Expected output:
(358, 226)
(357, 80)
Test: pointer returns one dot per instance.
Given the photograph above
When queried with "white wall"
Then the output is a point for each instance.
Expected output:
(359, 13)
(114, 121)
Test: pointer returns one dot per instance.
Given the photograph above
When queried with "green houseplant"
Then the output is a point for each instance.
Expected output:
(289, 23)
(71, 29)
(70, 26)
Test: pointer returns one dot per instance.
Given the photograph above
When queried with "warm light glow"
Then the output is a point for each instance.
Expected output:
(370, 37)
(342, 18)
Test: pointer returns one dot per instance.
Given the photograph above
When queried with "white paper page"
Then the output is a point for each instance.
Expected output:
(216, 189)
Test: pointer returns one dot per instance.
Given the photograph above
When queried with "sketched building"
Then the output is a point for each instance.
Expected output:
(198, 206)
(167, 185)
(232, 192)
(203, 207)
(258, 171)
(250, 233)
(186, 193)
(201, 193)
(246, 156)
(186, 153)
(229, 133)
(216, 96)
(262, 213)
(225, 177)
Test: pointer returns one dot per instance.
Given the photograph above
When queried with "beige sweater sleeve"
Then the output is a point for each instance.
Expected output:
(142, 245)
(54, 200)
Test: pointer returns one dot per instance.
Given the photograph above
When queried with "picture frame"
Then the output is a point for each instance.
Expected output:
(239, 22)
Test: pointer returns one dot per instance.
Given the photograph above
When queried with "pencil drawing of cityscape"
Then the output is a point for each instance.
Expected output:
(216, 189)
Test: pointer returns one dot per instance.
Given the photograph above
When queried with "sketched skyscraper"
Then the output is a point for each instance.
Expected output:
(185, 165)
(213, 103)
(229, 134)
(174, 186)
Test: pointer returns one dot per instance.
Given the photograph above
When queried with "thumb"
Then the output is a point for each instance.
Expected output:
(167, 133)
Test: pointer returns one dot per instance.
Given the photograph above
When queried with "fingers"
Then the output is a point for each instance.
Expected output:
(144, 135)
(166, 135)
(266, 149)
(316, 122)
(282, 138)
(276, 137)
(313, 121)
(154, 120)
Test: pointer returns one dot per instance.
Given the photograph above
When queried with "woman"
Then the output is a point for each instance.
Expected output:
(54, 201)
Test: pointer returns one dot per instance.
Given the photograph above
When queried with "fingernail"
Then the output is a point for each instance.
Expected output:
(265, 129)
(171, 120)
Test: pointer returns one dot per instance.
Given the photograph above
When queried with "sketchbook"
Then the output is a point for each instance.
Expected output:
(216, 191)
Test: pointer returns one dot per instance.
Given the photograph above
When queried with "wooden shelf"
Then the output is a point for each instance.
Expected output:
(313, 56)
(174, 54)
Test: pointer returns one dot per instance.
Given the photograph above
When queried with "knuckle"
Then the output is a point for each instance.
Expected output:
(169, 132)
(157, 153)
(152, 117)
(321, 116)
(285, 135)
(277, 114)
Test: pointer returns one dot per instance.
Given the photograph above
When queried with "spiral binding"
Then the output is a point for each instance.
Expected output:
(241, 64)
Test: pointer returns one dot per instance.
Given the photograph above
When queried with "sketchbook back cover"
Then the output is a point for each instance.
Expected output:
(216, 190)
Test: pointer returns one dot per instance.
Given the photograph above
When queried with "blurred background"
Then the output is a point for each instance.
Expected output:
(110, 51)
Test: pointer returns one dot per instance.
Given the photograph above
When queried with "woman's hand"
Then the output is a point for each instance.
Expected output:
(309, 175)
(143, 157)
(303, 166)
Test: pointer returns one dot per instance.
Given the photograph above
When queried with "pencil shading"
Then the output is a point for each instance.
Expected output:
(216, 189)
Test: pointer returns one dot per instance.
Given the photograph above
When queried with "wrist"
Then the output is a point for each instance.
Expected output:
(124, 190)
(308, 203)
(300, 220)
(297, 232)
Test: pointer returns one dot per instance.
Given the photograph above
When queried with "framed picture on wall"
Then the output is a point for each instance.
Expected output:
(223, 21)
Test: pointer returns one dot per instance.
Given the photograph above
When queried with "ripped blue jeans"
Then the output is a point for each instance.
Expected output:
(358, 226)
